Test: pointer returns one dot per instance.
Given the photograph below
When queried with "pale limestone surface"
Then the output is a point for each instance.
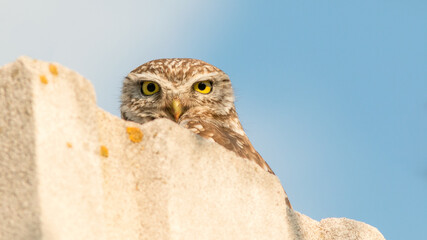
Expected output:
(56, 184)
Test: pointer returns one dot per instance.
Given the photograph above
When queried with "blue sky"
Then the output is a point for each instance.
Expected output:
(333, 94)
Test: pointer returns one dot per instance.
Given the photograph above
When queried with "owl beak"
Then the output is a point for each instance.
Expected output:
(176, 109)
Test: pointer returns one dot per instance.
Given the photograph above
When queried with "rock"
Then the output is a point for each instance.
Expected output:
(69, 170)
(50, 174)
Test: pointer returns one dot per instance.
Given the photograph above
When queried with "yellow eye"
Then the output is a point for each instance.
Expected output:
(204, 87)
(149, 88)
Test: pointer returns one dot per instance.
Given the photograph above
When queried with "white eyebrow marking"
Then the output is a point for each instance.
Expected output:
(165, 83)
(151, 77)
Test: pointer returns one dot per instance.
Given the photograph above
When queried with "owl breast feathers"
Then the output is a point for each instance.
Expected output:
(194, 94)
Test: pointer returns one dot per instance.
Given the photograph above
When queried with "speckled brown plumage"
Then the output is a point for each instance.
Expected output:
(212, 115)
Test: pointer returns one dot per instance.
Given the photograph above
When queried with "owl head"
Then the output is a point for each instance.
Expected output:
(177, 89)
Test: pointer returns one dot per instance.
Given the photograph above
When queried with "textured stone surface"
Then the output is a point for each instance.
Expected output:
(48, 188)
(69, 170)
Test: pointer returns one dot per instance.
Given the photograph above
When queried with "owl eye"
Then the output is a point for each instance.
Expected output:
(149, 88)
(204, 87)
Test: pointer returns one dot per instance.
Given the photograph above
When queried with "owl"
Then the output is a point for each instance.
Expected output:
(192, 93)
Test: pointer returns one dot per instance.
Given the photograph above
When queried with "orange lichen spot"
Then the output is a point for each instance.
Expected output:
(43, 79)
(69, 145)
(135, 134)
(104, 151)
(53, 69)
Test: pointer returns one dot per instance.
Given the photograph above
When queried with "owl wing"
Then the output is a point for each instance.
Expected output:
(231, 140)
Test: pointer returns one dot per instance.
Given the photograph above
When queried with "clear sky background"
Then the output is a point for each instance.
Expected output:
(333, 94)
